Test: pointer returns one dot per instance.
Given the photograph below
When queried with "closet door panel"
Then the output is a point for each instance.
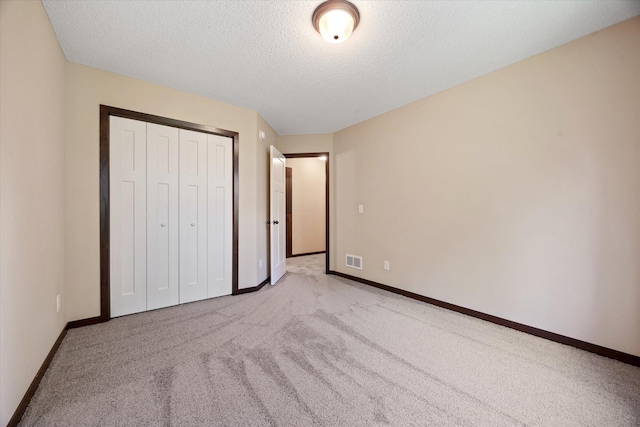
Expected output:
(162, 216)
(220, 210)
(127, 216)
(193, 215)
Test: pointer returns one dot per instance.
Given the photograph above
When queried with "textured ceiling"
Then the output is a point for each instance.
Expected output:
(266, 55)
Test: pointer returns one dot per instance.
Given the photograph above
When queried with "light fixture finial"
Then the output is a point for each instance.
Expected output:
(335, 20)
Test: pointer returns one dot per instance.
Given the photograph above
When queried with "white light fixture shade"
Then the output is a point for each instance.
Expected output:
(336, 26)
(335, 20)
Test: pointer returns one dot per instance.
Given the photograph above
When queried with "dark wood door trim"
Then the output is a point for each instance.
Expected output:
(326, 203)
(289, 210)
(105, 113)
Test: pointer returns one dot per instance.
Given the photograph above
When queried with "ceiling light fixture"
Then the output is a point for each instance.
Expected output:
(335, 20)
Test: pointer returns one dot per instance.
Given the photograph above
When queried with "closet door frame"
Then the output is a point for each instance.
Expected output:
(105, 113)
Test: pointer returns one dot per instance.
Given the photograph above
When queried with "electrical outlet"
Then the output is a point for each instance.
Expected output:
(58, 304)
(360, 208)
(386, 265)
(260, 263)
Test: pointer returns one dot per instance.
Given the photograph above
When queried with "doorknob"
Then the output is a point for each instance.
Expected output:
(276, 222)
(163, 225)
(193, 224)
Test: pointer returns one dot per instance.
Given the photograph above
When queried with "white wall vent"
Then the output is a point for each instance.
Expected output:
(354, 261)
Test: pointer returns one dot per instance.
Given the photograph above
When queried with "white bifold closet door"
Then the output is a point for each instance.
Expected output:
(220, 211)
(162, 216)
(205, 215)
(171, 216)
(128, 215)
(193, 216)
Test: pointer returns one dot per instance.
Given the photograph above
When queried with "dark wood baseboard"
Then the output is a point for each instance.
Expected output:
(583, 345)
(253, 288)
(86, 322)
(24, 403)
(308, 253)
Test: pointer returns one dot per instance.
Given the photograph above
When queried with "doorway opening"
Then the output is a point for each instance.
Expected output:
(307, 205)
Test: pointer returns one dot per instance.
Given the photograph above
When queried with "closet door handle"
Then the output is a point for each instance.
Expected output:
(163, 225)
(193, 224)
(276, 222)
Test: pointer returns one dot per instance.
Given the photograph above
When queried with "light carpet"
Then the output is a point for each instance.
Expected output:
(322, 350)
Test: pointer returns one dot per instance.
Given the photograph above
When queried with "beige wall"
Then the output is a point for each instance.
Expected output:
(308, 205)
(516, 194)
(31, 196)
(319, 143)
(86, 89)
(264, 147)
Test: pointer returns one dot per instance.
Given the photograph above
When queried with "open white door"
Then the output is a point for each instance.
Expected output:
(278, 216)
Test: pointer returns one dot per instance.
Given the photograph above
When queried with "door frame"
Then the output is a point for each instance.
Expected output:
(288, 177)
(105, 113)
(327, 268)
